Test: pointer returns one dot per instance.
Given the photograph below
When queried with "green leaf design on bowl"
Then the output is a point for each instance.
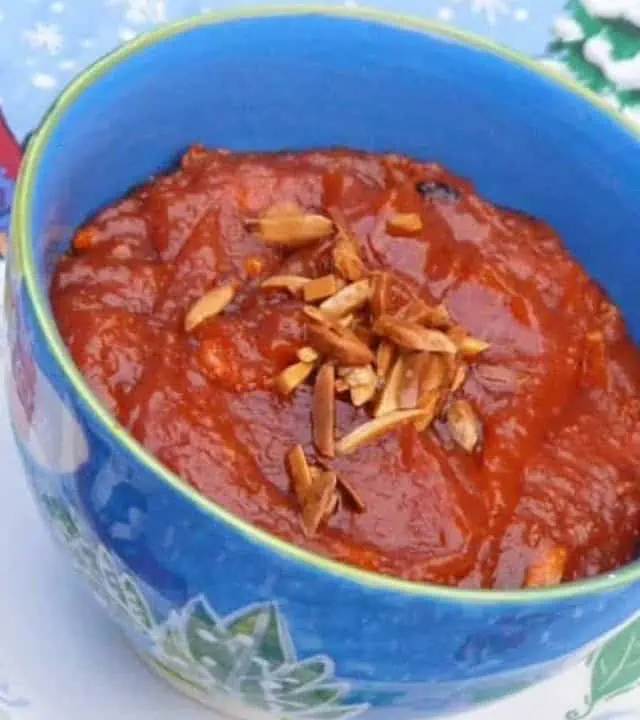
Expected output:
(247, 657)
(615, 669)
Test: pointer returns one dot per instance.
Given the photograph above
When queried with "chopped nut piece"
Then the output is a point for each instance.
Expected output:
(293, 284)
(463, 425)
(435, 374)
(307, 355)
(412, 336)
(385, 356)
(320, 502)
(284, 209)
(358, 375)
(340, 344)
(406, 222)
(320, 288)
(316, 315)
(390, 396)
(548, 569)
(460, 377)
(381, 293)
(373, 429)
(351, 495)
(431, 403)
(291, 230)
(347, 261)
(209, 305)
(323, 411)
(471, 347)
(300, 473)
(348, 299)
(362, 394)
(415, 366)
(418, 311)
(293, 376)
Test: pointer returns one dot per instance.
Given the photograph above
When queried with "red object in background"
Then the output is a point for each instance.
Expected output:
(10, 150)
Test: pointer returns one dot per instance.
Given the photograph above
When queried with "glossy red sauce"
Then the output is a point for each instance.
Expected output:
(558, 391)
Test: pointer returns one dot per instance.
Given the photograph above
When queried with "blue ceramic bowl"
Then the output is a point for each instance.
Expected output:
(233, 616)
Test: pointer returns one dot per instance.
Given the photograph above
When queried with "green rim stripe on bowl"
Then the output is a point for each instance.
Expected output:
(21, 231)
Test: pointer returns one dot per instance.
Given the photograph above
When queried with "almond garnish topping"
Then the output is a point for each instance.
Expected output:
(460, 377)
(340, 344)
(362, 394)
(348, 261)
(431, 403)
(390, 396)
(548, 569)
(320, 502)
(307, 354)
(419, 312)
(293, 376)
(299, 472)
(373, 429)
(406, 222)
(463, 425)
(209, 305)
(293, 284)
(385, 356)
(317, 315)
(351, 495)
(320, 288)
(413, 336)
(291, 230)
(381, 293)
(323, 410)
(471, 347)
(350, 298)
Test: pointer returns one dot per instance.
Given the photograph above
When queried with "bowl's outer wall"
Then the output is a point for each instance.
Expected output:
(300, 82)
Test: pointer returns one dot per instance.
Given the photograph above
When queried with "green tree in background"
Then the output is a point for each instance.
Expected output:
(598, 42)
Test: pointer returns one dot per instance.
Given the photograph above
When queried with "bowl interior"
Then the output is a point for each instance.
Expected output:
(313, 80)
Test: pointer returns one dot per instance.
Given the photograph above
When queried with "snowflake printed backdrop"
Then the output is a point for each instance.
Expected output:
(44, 43)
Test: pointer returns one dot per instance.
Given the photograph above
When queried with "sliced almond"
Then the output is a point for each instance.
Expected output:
(358, 375)
(410, 222)
(347, 261)
(293, 284)
(548, 569)
(431, 403)
(385, 356)
(414, 368)
(472, 347)
(340, 344)
(293, 376)
(320, 288)
(381, 293)
(316, 315)
(283, 209)
(346, 252)
(323, 411)
(460, 377)
(307, 354)
(209, 305)
(420, 312)
(463, 425)
(389, 399)
(352, 496)
(320, 502)
(435, 375)
(291, 230)
(299, 472)
(362, 394)
(412, 336)
(350, 298)
(375, 428)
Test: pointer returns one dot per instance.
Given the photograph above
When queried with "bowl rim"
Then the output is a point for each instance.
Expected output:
(25, 263)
